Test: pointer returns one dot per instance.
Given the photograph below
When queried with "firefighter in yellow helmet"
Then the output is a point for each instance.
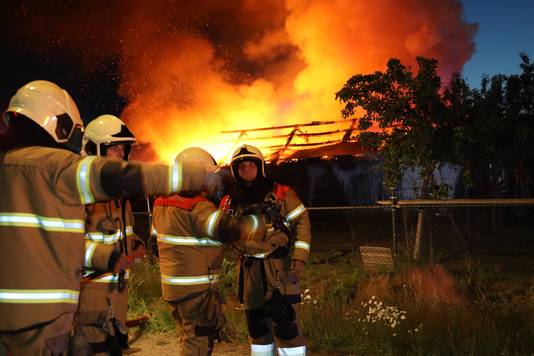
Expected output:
(103, 297)
(45, 188)
(268, 282)
(190, 232)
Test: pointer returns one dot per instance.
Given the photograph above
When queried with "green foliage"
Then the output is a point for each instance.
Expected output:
(337, 299)
(144, 298)
(414, 121)
(408, 111)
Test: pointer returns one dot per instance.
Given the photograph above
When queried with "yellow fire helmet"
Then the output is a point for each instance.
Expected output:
(106, 131)
(48, 105)
(247, 153)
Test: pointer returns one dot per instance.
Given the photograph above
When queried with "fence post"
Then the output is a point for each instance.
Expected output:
(393, 199)
(418, 233)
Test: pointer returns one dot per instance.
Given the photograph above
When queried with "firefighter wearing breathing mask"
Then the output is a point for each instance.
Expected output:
(103, 297)
(45, 188)
(190, 233)
(268, 282)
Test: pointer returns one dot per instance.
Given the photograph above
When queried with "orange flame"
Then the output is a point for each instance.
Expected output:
(190, 70)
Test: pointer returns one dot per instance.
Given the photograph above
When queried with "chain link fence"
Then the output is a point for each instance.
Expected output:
(394, 234)
(432, 233)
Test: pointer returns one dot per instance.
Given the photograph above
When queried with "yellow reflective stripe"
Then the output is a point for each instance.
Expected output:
(110, 277)
(262, 350)
(187, 240)
(102, 238)
(190, 280)
(129, 230)
(302, 245)
(34, 296)
(108, 239)
(292, 351)
(90, 248)
(48, 224)
(212, 222)
(296, 212)
(175, 177)
(83, 180)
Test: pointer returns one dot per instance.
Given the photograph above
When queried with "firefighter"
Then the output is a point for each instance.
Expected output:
(103, 297)
(268, 282)
(190, 230)
(45, 188)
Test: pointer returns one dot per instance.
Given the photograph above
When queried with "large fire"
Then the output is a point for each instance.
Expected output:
(190, 70)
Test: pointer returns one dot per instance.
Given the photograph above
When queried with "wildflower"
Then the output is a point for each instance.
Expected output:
(416, 330)
(307, 290)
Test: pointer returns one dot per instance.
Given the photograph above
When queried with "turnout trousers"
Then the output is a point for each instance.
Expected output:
(51, 338)
(258, 280)
(102, 317)
(194, 341)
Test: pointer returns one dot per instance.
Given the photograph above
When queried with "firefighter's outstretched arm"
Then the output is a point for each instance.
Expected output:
(100, 179)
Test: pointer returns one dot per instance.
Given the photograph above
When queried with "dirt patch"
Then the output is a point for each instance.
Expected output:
(167, 345)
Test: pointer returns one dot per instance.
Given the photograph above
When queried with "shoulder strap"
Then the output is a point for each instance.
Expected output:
(179, 202)
(280, 191)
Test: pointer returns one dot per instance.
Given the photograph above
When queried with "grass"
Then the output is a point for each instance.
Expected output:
(465, 308)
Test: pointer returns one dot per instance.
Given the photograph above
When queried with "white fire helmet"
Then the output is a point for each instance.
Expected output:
(200, 156)
(247, 153)
(106, 131)
(48, 105)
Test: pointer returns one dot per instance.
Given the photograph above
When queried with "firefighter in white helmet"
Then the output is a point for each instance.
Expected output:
(268, 282)
(103, 297)
(45, 188)
(190, 232)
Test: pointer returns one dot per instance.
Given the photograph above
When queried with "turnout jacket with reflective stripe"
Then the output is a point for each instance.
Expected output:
(294, 211)
(43, 193)
(102, 242)
(189, 251)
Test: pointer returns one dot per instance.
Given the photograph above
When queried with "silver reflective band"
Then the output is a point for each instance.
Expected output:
(293, 351)
(108, 239)
(33, 296)
(255, 222)
(189, 281)
(258, 255)
(110, 278)
(48, 224)
(90, 248)
(303, 245)
(210, 229)
(175, 177)
(100, 237)
(296, 212)
(83, 180)
(262, 350)
(187, 240)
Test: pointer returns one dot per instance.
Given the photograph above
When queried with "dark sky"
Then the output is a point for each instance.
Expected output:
(94, 92)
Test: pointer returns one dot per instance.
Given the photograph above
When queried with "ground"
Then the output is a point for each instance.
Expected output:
(150, 344)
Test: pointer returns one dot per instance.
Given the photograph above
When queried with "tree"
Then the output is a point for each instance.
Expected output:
(404, 116)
